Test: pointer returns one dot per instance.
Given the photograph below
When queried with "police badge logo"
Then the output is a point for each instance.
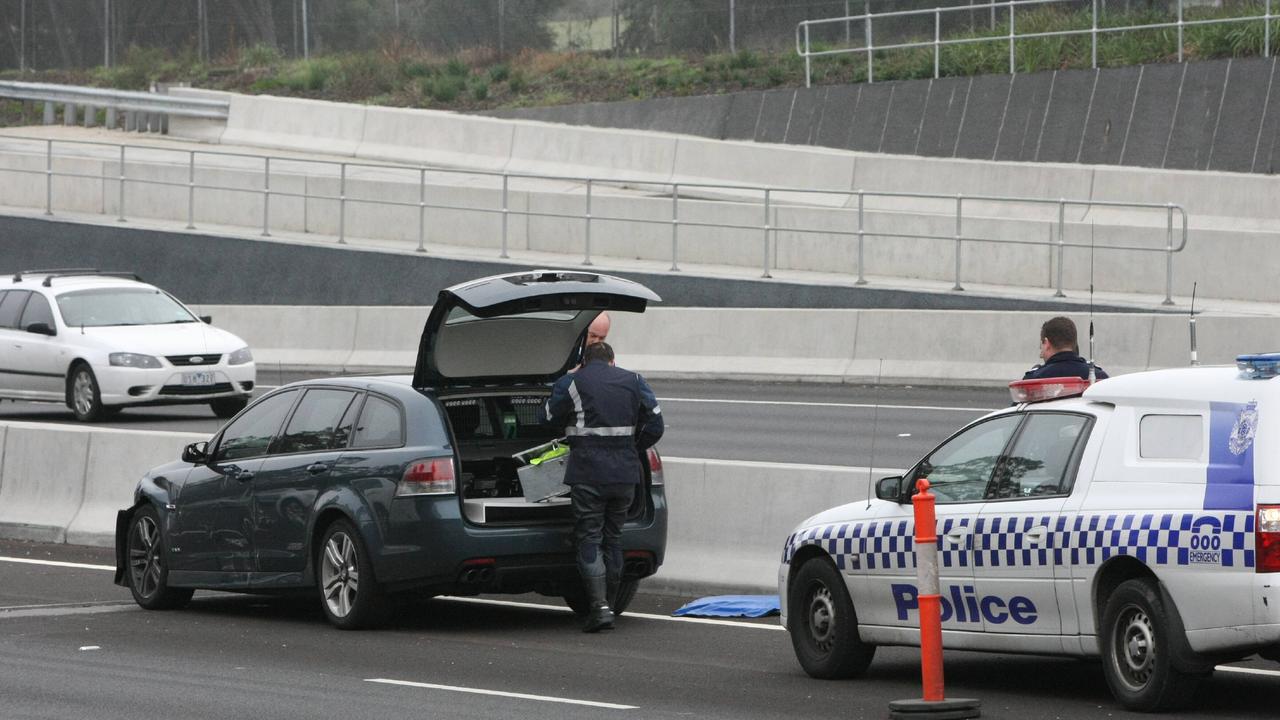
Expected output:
(1245, 428)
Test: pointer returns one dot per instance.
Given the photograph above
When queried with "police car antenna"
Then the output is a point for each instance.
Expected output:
(875, 425)
(1093, 371)
(1195, 359)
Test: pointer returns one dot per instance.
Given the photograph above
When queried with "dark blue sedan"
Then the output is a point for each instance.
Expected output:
(363, 487)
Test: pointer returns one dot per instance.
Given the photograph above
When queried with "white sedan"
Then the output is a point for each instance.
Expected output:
(100, 342)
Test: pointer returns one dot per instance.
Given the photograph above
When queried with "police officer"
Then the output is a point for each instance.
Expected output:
(1058, 351)
(610, 416)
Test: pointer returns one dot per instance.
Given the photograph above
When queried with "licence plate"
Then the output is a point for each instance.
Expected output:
(197, 378)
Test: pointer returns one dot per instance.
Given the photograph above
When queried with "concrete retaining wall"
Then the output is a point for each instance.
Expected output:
(1210, 115)
(727, 524)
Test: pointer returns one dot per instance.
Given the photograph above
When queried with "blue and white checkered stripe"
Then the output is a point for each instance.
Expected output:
(1079, 540)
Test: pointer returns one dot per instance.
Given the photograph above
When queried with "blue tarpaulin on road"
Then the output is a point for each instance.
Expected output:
(732, 606)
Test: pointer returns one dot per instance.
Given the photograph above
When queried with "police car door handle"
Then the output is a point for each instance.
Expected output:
(958, 536)
(1036, 535)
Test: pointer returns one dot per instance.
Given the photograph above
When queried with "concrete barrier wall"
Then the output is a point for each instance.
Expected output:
(64, 484)
(727, 522)
(955, 347)
(1059, 120)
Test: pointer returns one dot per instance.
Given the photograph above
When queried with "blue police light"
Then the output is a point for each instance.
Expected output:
(1260, 366)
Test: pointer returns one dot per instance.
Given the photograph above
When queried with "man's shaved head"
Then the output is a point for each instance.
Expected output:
(598, 330)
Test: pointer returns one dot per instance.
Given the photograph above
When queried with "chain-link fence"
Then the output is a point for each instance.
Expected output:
(53, 34)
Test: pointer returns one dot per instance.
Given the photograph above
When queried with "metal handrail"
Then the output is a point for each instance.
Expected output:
(113, 101)
(769, 202)
(869, 47)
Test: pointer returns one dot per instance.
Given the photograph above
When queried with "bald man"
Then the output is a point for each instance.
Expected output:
(598, 330)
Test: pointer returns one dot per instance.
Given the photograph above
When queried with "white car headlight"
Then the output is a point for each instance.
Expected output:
(240, 357)
(133, 360)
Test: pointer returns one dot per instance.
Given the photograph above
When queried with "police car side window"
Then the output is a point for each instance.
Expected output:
(961, 469)
(1042, 457)
(1171, 437)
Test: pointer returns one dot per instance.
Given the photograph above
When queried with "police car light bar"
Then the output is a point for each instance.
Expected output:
(1041, 389)
(1261, 366)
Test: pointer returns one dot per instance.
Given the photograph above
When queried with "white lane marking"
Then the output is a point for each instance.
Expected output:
(904, 434)
(644, 616)
(62, 612)
(91, 647)
(503, 693)
(796, 403)
(1248, 671)
(57, 563)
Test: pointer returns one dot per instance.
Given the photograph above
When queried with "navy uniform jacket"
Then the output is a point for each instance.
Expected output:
(609, 416)
(1064, 364)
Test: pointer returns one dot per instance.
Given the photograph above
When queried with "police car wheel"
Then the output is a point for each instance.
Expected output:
(824, 626)
(1137, 653)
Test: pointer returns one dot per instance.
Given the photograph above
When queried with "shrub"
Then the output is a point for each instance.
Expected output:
(444, 88)
(480, 90)
(517, 83)
(456, 68)
(416, 68)
(499, 73)
(260, 55)
(361, 75)
(744, 60)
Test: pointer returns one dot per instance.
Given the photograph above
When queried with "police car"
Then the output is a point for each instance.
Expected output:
(1137, 519)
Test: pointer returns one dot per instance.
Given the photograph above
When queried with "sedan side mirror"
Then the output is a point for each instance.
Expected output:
(196, 453)
(889, 488)
(40, 328)
(206, 319)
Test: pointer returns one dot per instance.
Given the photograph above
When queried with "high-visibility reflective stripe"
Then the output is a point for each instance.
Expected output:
(601, 431)
(657, 410)
(577, 406)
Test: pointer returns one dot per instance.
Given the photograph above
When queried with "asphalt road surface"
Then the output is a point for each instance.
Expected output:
(72, 645)
(771, 422)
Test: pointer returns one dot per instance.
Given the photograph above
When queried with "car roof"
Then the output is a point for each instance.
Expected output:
(58, 281)
(360, 382)
(1181, 387)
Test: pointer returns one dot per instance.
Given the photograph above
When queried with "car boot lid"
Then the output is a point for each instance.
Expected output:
(525, 327)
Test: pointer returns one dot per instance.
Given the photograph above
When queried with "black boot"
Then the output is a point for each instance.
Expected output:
(613, 581)
(599, 617)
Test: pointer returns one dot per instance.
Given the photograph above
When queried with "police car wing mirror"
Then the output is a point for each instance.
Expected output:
(889, 488)
(196, 453)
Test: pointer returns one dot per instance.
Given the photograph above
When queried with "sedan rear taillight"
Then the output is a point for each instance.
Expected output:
(655, 467)
(428, 476)
(1266, 539)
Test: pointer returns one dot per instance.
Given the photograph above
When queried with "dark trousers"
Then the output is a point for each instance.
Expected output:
(599, 512)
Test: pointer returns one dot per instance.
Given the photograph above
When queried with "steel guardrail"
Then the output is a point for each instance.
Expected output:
(126, 100)
(678, 192)
(803, 32)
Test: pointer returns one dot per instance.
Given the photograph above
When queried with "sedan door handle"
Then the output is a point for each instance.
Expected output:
(237, 473)
(244, 476)
(1036, 535)
(317, 468)
(957, 537)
